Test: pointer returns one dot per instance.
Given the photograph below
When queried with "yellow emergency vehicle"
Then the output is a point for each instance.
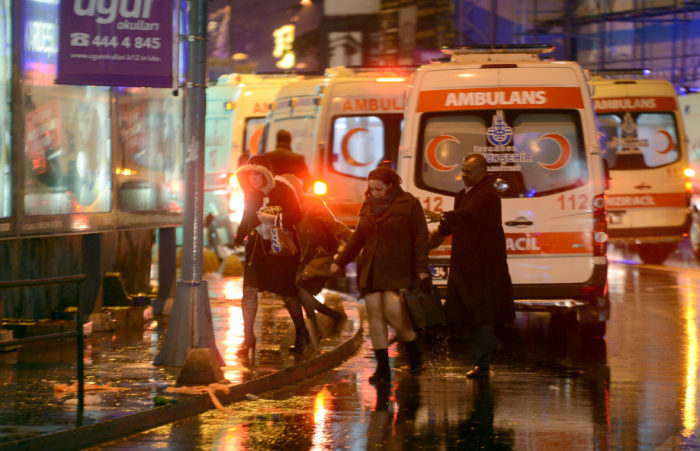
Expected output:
(345, 124)
(690, 110)
(643, 143)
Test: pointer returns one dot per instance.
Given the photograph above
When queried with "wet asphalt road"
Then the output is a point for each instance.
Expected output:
(637, 389)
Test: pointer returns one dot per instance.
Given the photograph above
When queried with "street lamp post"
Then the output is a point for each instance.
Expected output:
(190, 329)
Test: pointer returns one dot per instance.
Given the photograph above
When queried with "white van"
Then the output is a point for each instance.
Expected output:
(533, 121)
(690, 109)
(344, 124)
(237, 107)
(643, 142)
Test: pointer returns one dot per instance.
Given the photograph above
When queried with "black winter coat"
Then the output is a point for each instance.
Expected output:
(319, 234)
(262, 270)
(394, 245)
(284, 161)
(479, 289)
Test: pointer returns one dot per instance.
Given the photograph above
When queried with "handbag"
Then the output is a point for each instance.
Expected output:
(425, 309)
(282, 242)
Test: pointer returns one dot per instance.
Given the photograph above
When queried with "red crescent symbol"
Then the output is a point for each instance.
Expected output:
(255, 141)
(670, 142)
(346, 152)
(565, 154)
(431, 152)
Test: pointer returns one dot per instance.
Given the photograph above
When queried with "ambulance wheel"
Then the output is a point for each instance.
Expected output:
(593, 331)
(695, 234)
(654, 254)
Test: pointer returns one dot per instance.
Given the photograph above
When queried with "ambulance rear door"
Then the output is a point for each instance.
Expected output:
(297, 109)
(218, 145)
(360, 127)
(690, 109)
(534, 124)
(643, 143)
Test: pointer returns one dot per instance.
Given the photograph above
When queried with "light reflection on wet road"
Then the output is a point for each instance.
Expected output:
(638, 389)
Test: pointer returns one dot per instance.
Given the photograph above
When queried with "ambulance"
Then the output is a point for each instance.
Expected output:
(532, 119)
(237, 106)
(344, 124)
(690, 110)
(643, 143)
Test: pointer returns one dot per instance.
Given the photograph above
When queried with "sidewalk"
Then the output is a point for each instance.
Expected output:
(34, 416)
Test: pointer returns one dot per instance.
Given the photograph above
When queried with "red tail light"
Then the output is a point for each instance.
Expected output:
(600, 228)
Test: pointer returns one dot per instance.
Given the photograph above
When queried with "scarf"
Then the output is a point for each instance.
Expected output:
(379, 206)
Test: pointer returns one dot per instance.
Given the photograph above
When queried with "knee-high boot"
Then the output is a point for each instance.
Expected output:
(301, 334)
(382, 374)
(249, 309)
(415, 361)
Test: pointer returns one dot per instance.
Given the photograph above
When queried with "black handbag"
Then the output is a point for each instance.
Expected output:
(425, 309)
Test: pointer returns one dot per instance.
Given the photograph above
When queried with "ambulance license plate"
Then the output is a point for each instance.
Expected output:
(440, 273)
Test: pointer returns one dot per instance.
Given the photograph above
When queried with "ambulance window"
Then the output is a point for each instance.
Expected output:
(302, 130)
(358, 144)
(254, 128)
(639, 140)
(535, 153)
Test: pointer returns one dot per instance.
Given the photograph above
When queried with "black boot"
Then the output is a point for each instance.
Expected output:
(415, 361)
(301, 333)
(382, 375)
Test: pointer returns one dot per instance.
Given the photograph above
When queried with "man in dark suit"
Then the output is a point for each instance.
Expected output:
(284, 161)
(479, 289)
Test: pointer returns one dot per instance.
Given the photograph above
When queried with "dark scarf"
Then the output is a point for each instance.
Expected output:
(379, 206)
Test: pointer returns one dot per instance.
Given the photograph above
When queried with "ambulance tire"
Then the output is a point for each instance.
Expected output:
(654, 254)
(593, 331)
(695, 234)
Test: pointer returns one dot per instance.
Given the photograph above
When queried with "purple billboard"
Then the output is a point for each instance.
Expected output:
(116, 43)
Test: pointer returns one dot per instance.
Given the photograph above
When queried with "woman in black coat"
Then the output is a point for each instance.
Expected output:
(263, 270)
(320, 235)
(393, 236)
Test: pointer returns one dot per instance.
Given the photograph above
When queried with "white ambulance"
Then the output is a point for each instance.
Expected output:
(690, 109)
(344, 124)
(643, 142)
(533, 121)
(237, 106)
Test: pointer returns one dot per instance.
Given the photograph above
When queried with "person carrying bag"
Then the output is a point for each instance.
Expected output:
(393, 236)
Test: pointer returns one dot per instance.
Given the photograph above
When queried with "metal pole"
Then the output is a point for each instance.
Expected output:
(191, 323)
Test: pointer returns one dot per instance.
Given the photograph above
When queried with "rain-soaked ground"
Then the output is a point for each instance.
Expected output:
(121, 361)
(637, 389)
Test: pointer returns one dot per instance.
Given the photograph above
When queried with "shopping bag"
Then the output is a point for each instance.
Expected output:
(282, 242)
(425, 309)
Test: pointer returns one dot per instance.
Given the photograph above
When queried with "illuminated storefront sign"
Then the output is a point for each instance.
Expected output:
(116, 43)
(284, 47)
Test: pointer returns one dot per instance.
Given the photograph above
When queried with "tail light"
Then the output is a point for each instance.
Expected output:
(320, 188)
(689, 174)
(600, 227)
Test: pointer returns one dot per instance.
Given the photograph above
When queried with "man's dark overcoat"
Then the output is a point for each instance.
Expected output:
(284, 161)
(479, 289)
(394, 245)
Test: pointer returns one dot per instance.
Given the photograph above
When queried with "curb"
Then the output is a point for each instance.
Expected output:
(106, 431)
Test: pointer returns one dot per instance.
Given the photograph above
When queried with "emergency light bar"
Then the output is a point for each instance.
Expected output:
(497, 48)
(631, 71)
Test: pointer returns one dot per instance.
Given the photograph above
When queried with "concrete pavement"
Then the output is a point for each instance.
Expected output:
(36, 414)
